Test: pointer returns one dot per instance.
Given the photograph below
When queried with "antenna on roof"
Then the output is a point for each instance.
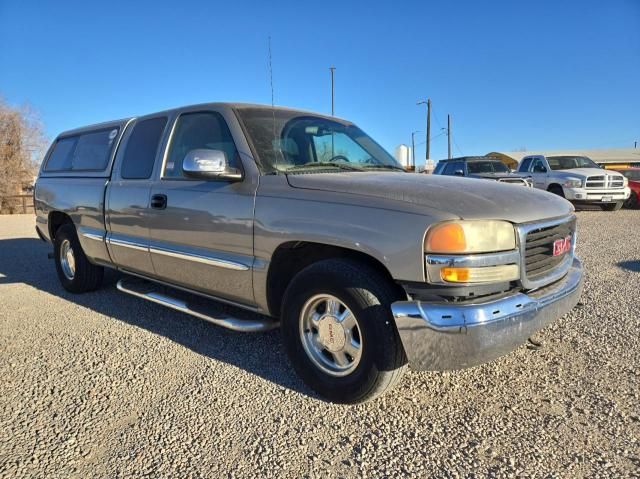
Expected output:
(275, 147)
(271, 72)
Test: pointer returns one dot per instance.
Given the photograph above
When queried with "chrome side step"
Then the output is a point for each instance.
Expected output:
(150, 291)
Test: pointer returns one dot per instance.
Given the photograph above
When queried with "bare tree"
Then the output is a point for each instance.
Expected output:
(22, 145)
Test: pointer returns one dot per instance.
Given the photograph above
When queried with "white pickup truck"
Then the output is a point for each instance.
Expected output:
(578, 179)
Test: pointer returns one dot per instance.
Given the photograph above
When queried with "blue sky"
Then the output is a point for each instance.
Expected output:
(537, 74)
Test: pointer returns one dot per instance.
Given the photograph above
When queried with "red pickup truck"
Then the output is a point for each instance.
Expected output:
(633, 175)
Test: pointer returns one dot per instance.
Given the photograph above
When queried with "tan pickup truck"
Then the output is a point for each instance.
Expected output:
(307, 222)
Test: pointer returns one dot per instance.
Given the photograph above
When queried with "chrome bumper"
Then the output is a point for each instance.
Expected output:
(440, 337)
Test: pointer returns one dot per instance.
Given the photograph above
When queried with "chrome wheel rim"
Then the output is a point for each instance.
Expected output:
(67, 260)
(330, 334)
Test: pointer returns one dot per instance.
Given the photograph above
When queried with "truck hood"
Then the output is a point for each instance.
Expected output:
(466, 198)
(583, 172)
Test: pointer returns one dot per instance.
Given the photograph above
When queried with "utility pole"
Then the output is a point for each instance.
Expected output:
(413, 149)
(428, 102)
(449, 133)
(332, 109)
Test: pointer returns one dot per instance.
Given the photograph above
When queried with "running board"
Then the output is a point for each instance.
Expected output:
(150, 291)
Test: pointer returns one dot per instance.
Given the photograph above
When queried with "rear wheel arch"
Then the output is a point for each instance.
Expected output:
(56, 220)
(291, 257)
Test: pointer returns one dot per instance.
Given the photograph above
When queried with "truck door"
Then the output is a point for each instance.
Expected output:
(539, 172)
(128, 194)
(202, 236)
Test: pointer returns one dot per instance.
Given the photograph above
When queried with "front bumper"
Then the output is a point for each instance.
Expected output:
(596, 196)
(441, 337)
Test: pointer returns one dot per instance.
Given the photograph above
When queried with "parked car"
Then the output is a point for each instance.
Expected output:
(633, 177)
(307, 222)
(578, 179)
(482, 167)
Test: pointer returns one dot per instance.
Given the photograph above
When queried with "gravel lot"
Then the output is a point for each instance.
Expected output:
(107, 385)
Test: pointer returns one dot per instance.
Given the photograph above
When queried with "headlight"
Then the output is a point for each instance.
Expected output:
(625, 181)
(573, 183)
(470, 237)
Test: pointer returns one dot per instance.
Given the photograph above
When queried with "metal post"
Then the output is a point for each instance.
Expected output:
(449, 134)
(413, 149)
(332, 90)
(428, 128)
(428, 134)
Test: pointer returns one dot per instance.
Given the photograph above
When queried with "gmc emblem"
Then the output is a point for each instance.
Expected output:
(561, 246)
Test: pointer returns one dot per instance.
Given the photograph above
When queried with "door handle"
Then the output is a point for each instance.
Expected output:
(159, 202)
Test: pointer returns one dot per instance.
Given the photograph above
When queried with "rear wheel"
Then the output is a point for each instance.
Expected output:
(612, 206)
(632, 201)
(339, 332)
(75, 272)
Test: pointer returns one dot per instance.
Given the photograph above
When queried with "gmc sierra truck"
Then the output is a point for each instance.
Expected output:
(578, 179)
(307, 222)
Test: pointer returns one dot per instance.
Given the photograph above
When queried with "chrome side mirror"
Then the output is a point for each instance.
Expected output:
(209, 164)
(458, 173)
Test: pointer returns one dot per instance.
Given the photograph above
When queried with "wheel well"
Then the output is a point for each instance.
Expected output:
(292, 257)
(554, 186)
(56, 220)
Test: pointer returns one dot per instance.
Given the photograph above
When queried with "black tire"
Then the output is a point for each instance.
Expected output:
(632, 201)
(86, 276)
(556, 190)
(612, 206)
(368, 295)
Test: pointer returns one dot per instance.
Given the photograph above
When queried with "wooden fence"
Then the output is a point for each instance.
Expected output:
(16, 204)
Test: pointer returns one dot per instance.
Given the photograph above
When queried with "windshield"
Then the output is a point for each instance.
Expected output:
(631, 174)
(476, 167)
(287, 140)
(570, 162)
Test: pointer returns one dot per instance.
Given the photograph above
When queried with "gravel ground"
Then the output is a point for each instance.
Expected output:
(107, 385)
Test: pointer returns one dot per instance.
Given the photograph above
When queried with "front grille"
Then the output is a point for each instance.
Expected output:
(539, 259)
(604, 182)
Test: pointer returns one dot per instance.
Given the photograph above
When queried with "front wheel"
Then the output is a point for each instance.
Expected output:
(612, 206)
(339, 332)
(632, 201)
(556, 190)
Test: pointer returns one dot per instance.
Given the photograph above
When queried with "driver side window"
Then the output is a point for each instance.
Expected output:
(328, 147)
(538, 166)
(194, 131)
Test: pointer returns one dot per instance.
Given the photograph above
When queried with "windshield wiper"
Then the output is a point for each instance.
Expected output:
(325, 164)
(384, 167)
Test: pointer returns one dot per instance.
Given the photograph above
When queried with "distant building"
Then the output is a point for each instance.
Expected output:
(609, 158)
(403, 156)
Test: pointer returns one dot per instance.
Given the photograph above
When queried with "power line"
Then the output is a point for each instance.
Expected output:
(432, 138)
(457, 147)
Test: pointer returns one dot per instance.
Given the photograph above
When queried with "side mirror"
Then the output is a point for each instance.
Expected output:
(209, 164)
(458, 173)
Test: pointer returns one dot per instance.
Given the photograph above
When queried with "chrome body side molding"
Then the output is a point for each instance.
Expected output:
(127, 244)
(198, 258)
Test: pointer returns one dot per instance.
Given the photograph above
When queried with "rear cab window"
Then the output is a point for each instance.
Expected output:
(88, 151)
(525, 164)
